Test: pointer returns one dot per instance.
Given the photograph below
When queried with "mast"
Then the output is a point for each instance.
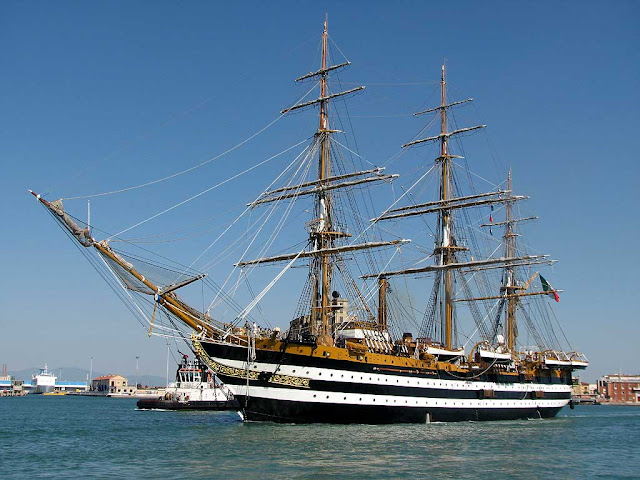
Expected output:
(445, 250)
(510, 282)
(322, 230)
(382, 303)
(324, 198)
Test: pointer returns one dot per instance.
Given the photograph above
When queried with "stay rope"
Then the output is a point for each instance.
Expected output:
(190, 169)
(179, 204)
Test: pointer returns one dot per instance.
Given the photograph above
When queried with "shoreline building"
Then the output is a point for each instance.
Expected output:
(112, 385)
(584, 392)
(620, 388)
(9, 386)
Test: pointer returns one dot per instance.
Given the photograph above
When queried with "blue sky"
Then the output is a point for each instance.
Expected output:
(100, 96)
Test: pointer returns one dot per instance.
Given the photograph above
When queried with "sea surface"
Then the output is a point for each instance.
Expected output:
(95, 437)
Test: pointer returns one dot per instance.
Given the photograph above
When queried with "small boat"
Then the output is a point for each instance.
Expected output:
(195, 388)
(494, 354)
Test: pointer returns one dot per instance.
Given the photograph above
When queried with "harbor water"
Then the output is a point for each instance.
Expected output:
(85, 437)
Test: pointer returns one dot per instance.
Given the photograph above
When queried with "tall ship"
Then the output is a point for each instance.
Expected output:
(483, 345)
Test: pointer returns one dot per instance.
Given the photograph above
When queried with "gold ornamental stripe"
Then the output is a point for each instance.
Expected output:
(216, 367)
(300, 382)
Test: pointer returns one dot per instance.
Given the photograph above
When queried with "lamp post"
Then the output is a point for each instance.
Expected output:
(91, 374)
(137, 358)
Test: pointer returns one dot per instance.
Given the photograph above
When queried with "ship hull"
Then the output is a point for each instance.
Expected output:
(161, 404)
(285, 411)
(305, 389)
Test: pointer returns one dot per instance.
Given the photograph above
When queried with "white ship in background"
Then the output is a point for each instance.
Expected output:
(44, 381)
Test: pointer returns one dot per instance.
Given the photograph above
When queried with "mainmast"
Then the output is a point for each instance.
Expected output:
(510, 285)
(446, 249)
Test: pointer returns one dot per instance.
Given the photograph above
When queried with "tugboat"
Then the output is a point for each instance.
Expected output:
(195, 388)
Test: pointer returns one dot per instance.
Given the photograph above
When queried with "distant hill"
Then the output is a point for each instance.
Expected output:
(80, 375)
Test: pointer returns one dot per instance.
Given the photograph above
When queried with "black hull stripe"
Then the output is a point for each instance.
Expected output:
(283, 411)
(417, 392)
(240, 354)
(191, 405)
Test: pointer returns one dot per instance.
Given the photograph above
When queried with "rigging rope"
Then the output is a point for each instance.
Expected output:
(153, 182)
(207, 190)
(266, 289)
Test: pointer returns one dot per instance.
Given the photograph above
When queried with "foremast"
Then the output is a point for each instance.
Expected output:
(322, 236)
(324, 230)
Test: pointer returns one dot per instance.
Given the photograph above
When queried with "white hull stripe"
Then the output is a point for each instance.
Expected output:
(311, 396)
(391, 380)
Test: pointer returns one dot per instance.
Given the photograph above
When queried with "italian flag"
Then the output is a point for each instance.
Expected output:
(546, 287)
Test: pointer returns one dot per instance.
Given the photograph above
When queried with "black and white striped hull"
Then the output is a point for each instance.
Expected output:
(346, 392)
